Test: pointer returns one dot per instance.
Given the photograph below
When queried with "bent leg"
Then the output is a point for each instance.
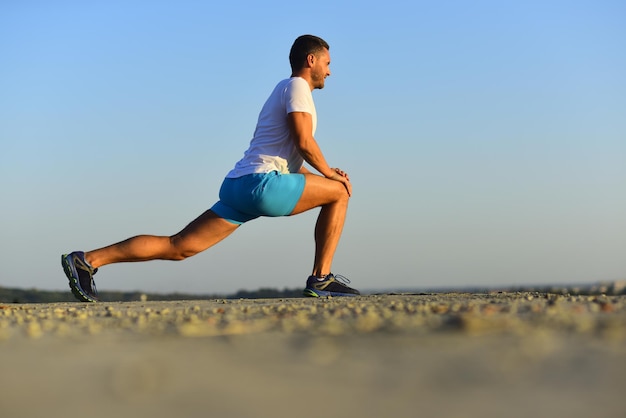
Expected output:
(333, 198)
(205, 231)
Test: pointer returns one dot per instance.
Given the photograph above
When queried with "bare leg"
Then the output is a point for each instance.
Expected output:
(205, 231)
(333, 199)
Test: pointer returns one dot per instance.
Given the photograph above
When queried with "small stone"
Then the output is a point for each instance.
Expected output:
(33, 330)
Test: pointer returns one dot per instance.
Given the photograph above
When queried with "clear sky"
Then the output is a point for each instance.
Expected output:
(486, 140)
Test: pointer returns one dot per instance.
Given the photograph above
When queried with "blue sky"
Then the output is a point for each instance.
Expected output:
(486, 140)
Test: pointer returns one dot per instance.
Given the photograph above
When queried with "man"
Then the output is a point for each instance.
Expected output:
(270, 180)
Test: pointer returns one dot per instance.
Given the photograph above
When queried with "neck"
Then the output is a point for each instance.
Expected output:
(306, 75)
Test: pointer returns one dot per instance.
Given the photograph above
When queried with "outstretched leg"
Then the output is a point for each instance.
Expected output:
(204, 232)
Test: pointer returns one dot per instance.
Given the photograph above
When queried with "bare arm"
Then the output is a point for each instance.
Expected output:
(301, 127)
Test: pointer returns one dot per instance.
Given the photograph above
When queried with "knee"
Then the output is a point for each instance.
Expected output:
(343, 200)
(339, 199)
(179, 249)
(342, 196)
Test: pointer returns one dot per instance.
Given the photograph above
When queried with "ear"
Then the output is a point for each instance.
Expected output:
(310, 60)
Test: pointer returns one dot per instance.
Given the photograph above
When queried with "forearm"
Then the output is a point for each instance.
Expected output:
(312, 154)
(300, 126)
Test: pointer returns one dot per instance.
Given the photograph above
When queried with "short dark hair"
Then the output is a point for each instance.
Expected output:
(302, 47)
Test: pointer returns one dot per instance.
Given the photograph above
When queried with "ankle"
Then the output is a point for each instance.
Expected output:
(320, 276)
(88, 260)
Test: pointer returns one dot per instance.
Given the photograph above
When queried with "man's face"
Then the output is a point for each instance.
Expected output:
(320, 69)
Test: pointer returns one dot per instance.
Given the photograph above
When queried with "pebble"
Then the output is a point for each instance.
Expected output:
(494, 313)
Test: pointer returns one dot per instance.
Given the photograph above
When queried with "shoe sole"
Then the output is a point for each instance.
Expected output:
(320, 293)
(74, 285)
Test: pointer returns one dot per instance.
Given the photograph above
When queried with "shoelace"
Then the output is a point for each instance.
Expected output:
(340, 278)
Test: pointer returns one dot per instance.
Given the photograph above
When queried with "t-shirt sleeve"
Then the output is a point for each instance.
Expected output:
(298, 97)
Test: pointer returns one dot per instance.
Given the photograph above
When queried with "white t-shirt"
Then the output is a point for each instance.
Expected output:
(272, 148)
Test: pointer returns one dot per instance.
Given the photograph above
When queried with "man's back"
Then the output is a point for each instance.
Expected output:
(272, 148)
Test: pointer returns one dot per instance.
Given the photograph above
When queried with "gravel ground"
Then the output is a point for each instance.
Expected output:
(428, 355)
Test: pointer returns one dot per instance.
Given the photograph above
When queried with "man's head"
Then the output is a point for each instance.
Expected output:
(310, 53)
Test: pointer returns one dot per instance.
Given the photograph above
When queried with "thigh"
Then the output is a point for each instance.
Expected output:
(319, 191)
(261, 194)
(205, 231)
(278, 194)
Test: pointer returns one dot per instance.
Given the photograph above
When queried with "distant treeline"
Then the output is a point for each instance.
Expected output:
(9, 295)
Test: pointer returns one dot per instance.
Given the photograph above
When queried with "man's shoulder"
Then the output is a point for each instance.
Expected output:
(286, 84)
(298, 86)
(289, 88)
(299, 81)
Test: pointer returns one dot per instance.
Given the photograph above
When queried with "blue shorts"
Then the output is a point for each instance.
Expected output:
(264, 194)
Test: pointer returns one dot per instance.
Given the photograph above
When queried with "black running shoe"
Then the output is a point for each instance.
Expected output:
(330, 285)
(80, 275)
